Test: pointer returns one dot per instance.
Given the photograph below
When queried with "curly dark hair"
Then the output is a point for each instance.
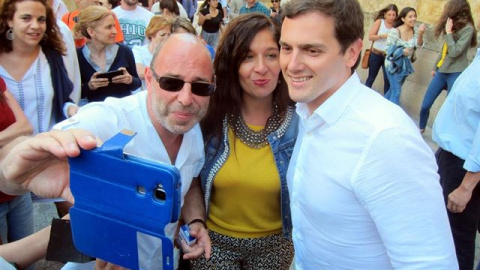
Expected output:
(52, 37)
(232, 50)
(461, 14)
(381, 13)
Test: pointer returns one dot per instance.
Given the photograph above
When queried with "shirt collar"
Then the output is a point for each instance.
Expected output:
(110, 54)
(253, 6)
(335, 105)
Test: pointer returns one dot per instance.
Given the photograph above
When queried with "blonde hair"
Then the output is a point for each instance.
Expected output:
(156, 23)
(89, 17)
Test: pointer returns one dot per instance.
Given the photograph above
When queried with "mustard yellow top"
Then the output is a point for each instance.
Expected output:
(245, 201)
(444, 53)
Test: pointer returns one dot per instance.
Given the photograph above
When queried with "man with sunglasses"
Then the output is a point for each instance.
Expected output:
(165, 117)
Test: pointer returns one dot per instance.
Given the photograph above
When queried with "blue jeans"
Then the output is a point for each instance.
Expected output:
(375, 62)
(439, 82)
(396, 81)
(16, 218)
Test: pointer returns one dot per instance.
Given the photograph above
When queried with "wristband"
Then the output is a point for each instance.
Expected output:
(197, 220)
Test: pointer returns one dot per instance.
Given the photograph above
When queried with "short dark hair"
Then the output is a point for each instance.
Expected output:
(347, 15)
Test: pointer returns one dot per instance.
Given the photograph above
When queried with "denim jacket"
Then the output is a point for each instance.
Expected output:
(282, 149)
(399, 63)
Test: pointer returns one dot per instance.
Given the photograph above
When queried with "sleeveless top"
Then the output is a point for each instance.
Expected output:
(381, 44)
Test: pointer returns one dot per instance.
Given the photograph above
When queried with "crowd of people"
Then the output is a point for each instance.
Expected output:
(285, 157)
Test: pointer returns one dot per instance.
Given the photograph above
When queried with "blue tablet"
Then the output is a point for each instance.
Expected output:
(119, 199)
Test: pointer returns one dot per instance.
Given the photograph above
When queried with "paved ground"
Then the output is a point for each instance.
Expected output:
(43, 214)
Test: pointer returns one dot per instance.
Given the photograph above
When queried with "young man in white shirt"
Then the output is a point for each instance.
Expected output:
(134, 20)
(363, 185)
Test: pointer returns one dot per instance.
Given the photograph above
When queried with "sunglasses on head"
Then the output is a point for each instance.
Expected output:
(174, 85)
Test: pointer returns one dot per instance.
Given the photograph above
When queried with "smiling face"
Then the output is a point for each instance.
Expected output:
(312, 61)
(28, 23)
(185, 57)
(410, 19)
(259, 71)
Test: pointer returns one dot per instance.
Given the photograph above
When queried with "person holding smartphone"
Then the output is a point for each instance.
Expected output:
(276, 12)
(107, 68)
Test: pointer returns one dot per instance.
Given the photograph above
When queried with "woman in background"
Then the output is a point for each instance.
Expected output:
(169, 9)
(458, 28)
(378, 34)
(183, 25)
(251, 124)
(101, 54)
(276, 12)
(16, 212)
(402, 42)
(31, 62)
(158, 29)
(210, 19)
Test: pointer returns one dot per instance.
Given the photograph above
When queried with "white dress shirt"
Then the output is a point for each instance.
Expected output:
(105, 119)
(457, 126)
(364, 188)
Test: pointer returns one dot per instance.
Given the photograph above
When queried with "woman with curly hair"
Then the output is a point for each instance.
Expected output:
(251, 124)
(457, 27)
(32, 67)
(31, 63)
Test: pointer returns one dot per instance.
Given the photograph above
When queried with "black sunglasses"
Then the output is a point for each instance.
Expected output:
(174, 85)
(275, 1)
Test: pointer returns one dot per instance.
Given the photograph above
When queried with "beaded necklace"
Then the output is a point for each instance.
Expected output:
(258, 139)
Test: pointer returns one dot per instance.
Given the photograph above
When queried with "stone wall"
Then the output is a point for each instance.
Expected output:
(414, 88)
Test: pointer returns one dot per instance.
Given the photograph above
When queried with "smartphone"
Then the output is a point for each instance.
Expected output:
(121, 199)
(109, 75)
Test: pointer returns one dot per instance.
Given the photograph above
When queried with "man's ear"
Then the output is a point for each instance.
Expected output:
(148, 77)
(353, 53)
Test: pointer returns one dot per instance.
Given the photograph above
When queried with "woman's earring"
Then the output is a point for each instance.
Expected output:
(10, 35)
